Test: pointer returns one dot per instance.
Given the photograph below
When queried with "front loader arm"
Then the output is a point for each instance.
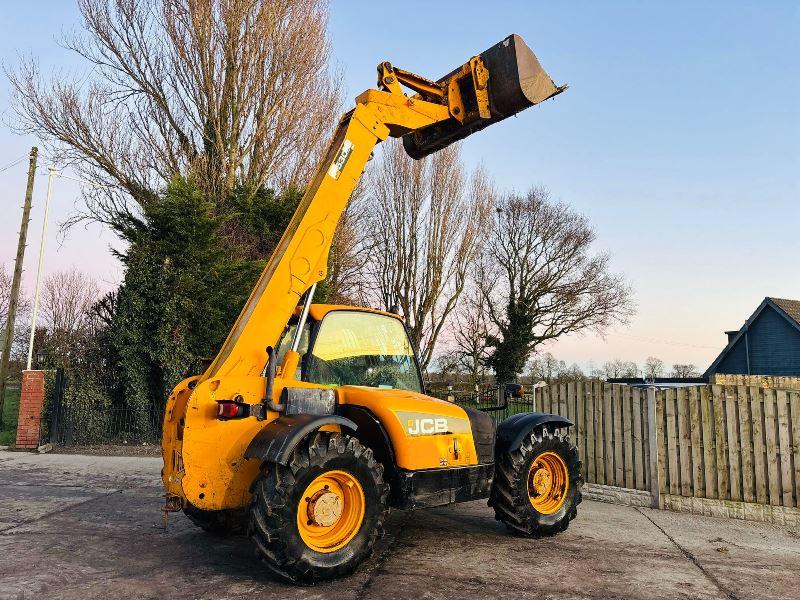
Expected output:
(490, 87)
(300, 258)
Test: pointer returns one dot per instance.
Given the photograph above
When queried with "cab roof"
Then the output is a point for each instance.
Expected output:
(318, 311)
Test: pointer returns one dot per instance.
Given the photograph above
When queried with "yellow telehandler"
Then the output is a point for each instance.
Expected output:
(312, 421)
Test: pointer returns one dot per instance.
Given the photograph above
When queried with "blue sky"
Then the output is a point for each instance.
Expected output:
(679, 137)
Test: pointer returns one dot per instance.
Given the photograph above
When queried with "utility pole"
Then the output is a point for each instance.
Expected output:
(13, 302)
(52, 173)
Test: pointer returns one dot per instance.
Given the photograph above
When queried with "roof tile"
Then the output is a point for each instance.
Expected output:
(790, 307)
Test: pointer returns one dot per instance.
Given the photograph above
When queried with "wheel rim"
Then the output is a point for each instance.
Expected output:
(330, 511)
(548, 482)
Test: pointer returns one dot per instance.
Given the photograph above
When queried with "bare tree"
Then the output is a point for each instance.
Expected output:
(620, 368)
(425, 230)
(543, 282)
(68, 299)
(470, 331)
(653, 367)
(21, 327)
(546, 367)
(5, 291)
(449, 364)
(572, 373)
(233, 92)
(350, 254)
(685, 370)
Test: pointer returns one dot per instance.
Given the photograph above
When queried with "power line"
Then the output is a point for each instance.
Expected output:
(659, 341)
(13, 164)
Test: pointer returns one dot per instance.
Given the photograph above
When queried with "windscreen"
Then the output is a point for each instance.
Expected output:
(359, 348)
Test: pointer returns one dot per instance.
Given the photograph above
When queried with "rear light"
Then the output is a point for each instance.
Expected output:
(231, 409)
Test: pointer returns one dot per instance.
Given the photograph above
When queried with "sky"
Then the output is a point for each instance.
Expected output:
(679, 138)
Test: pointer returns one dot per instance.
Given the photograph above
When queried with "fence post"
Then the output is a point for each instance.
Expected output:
(652, 432)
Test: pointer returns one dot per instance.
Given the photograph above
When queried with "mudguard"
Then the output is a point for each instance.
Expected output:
(276, 442)
(512, 431)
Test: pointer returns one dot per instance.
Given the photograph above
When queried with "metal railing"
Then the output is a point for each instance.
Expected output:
(78, 422)
(499, 401)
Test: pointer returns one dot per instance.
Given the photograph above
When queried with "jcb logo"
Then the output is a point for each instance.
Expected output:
(426, 426)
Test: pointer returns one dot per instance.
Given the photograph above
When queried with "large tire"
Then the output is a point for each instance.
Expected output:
(221, 523)
(278, 497)
(510, 496)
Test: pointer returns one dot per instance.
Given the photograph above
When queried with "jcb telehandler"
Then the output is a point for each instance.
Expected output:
(312, 421)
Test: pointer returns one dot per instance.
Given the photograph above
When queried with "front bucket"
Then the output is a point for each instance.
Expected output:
(516, 81)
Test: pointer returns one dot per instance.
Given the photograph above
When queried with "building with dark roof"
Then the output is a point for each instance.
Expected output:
(767, 344)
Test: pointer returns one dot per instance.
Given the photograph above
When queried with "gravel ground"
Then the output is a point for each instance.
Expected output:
(111, 450)
(91, 527)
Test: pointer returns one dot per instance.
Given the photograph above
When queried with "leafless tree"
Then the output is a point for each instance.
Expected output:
(470, 331)
(620, 368)
(67, 301)
(572, 373)
(231, 91)
(543, 281)
(5, 291)
(653, 367)
(426, 226)
(21, 326)
(449, 364)
(350, 254)
(545, 367)
(685, 370)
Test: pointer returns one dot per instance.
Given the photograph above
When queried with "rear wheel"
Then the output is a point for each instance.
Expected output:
(536, 489)
(319, 517)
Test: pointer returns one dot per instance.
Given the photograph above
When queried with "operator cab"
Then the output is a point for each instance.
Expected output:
(346, 345)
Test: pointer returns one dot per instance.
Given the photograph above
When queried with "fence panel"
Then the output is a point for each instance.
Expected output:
(735, 443)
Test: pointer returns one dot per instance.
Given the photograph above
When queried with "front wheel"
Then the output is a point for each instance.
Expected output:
(319, 517)
(537, 488)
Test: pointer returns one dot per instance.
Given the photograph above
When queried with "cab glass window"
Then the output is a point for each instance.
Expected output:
(359, 348)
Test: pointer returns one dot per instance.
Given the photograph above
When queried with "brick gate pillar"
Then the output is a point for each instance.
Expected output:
(31, 399)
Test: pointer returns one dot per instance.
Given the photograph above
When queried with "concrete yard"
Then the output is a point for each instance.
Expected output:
(90, 527)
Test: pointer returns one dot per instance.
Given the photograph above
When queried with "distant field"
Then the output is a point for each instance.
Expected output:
(8, 430)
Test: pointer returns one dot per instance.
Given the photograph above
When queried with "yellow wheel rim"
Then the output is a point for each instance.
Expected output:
(548, 482)
(330, 511)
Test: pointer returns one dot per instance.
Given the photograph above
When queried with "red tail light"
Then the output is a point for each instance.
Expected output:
(230, 409)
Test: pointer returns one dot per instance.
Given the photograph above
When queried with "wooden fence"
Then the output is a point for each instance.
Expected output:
(730, 443)
(611, 429)
(725, 443)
